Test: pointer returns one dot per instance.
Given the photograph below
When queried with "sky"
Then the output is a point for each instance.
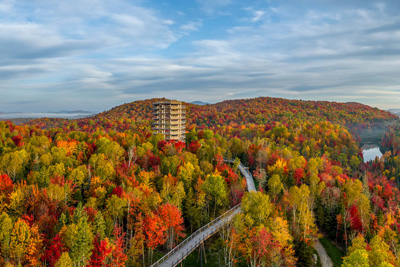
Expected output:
(96, 54)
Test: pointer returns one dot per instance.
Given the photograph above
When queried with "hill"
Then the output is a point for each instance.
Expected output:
(262, 110)
(105, 189)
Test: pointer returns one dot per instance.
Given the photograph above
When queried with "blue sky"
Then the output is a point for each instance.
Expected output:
(93, 55)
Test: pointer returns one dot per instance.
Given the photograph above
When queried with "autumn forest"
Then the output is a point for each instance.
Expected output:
(105, 191)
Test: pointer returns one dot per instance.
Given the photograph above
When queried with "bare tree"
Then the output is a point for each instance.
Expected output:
(132, 156)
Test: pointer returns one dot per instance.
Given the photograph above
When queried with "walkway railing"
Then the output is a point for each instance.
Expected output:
(245, 172)
(199, 236)
(181, 251)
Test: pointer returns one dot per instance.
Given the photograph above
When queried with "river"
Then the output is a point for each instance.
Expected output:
(370, 152)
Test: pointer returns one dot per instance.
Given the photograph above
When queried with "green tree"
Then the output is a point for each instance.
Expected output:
(81, 249)
(216, 191)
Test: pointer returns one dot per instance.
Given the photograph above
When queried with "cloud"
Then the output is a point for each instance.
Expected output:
(94, 55)
(191, 26)
(346, 55)
(63, 28)
(256, 15)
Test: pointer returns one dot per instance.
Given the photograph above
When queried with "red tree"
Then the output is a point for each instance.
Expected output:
(118, 257)
(99, 253)
(194, 146)
(18, 140)
(355, 220)
(172, 219)
(155, 232)
(53, 251)
(6, 184)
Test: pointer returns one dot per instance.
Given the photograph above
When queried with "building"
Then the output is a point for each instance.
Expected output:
(170, 119)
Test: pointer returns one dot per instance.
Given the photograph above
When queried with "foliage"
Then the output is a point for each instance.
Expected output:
(104, 191)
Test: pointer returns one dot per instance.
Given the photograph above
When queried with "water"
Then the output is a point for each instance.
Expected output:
(43, 115)
(370, 152)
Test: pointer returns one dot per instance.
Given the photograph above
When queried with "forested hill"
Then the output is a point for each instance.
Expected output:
(265, 110)
(262, 110)
(105, 191)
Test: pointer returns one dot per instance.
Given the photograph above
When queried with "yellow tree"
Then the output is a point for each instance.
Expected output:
(172, 190)
(5, 234)
(358, 258)
(275, 186)
(364, 208)
(300, 202)
(186, 174)
(257, 208)
(380, 252)
(12, 163)
(64, 261)
(19, 241)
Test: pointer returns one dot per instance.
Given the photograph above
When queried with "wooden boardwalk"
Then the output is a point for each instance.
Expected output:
(180, 252)
(249, 178)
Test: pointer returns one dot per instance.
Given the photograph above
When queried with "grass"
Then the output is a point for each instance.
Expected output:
(333, 252)
(319, 264)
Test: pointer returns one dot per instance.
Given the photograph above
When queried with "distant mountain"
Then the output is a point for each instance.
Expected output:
(32, 115)
(74, 112)
(200, 103)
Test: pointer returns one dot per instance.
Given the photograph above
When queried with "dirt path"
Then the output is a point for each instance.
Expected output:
(325, 260)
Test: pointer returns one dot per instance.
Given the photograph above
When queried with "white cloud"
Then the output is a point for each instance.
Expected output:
(192, 26)
(258, 14)
(113, 52)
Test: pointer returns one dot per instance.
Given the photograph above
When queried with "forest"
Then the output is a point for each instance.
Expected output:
(105, 191)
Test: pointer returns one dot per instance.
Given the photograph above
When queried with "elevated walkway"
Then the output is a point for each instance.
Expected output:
(180, 252)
